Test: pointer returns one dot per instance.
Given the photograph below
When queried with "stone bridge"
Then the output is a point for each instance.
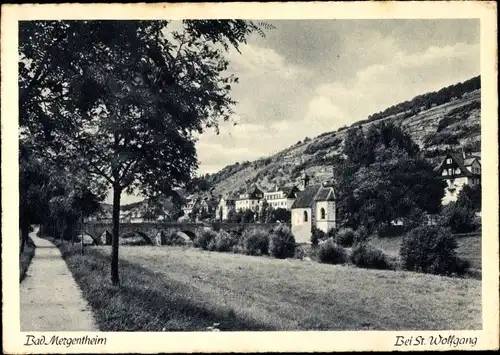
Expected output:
(154, 232)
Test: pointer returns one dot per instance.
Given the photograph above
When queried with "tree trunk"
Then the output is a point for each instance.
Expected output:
(115, 278)
(24, 236)
(62, 230)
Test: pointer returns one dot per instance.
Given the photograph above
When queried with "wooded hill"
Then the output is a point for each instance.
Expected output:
(448, 119)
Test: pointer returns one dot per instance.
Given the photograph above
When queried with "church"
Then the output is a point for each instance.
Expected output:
(313, 207)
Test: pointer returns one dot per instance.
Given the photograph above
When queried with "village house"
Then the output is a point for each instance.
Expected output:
(250, 199)
(206, 207)
(459, 170)
(314, 207)
(224, 206)
(283, 197)
(188, 205)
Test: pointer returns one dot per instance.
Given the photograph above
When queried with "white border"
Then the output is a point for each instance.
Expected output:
(124, 342)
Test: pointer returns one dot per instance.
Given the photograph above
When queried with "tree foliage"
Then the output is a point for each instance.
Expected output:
(124, 100)
(384, 178)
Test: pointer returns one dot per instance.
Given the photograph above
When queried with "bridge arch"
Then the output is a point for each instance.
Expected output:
(95, 240)
(130, 234)
(189, 233)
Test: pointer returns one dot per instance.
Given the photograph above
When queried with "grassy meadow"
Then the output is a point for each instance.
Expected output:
(187, 289)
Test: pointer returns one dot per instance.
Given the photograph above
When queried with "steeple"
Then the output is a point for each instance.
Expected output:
(304, 181)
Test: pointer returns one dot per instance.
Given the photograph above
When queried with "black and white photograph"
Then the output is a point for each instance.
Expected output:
(224, 175)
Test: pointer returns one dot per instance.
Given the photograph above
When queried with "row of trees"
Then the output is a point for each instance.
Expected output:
(120, 102)
(427, 100)
(267, 214)
(52, 196)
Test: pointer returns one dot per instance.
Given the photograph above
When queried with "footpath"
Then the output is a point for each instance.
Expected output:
(50, 297)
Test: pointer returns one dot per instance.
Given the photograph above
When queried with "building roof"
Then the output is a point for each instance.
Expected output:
(305, 198)
(252, 193)
(290, 191)
(312, 193)
(461, 162)
(325, 194)
(468, 161)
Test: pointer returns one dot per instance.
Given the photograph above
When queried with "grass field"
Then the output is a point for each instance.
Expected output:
(25, 259)
(186, 289)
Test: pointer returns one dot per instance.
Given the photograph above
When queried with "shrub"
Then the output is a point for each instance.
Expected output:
(431, 249)
(299, 253)
(331, 233)
(331, 253)
(345, 237)
(461, 219)
(368, 257)
(282, 242)
(255, 241)
(238, 249)
(172, 238)
(204, 238)
(222, 242)
(317, 235)
(361, 235)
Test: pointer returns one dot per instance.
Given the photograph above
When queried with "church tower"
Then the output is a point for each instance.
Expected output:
(304, 181)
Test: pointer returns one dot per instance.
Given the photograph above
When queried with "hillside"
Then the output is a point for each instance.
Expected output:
(437, 121)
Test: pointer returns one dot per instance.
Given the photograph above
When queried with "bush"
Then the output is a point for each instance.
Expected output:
(461, 219)
(222, 242)
(172, 238)
(345, 237)
(431, 249)
(331, 253)
(282, 242)
(238, 249)
(331, 233)
(361, 235)
(299, 253)
(255, 241)
(317, 235)
(204, 238)
(368, 257)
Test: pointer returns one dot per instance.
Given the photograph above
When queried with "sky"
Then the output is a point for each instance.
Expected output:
(307, 77)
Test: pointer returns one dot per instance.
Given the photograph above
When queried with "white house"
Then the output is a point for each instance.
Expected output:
(189, 204)
(283, 197)
(224, 206)
(250, 199)
(459, 170)
(314, 207)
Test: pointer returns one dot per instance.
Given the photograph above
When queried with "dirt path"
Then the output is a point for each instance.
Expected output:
(50, 297)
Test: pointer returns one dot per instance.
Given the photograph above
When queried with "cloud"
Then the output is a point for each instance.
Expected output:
(384, 84)
(262, 61)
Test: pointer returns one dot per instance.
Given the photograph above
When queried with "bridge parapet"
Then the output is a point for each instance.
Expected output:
(154, 232)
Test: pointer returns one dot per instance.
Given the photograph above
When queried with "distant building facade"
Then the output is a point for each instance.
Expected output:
(314, 207)
(283, 197)
(250, 199)
(224, 207)
(189, 203)
(459, 170)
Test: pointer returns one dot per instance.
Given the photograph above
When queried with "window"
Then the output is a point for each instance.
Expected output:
(305, 216)
(457, 171)
(322, 213)
(445, 173)
(448, 161)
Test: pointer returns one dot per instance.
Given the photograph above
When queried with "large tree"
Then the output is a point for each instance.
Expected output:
(124, 100)
(385, 178)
